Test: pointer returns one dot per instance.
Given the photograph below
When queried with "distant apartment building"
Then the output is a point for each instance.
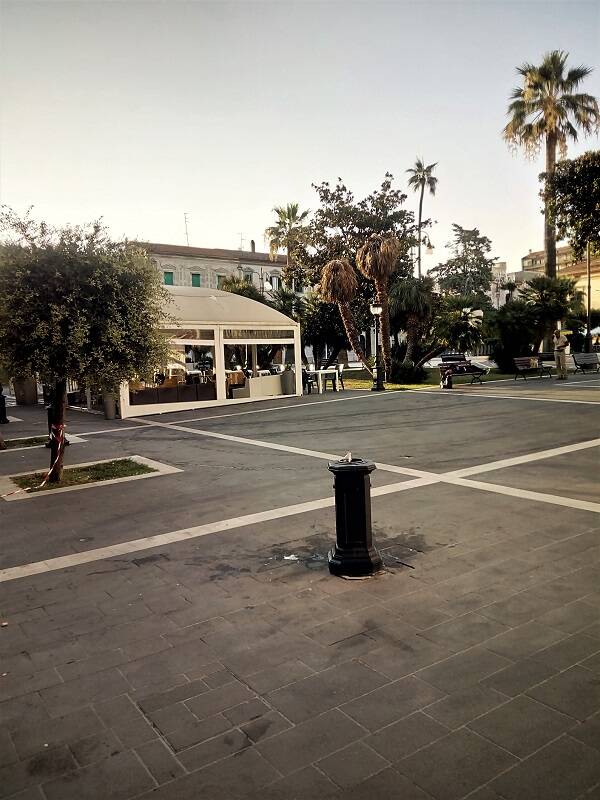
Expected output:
(567, 267)
(207, 268)
(505, 285)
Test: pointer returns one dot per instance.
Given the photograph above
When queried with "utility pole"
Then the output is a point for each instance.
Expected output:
(185, 219)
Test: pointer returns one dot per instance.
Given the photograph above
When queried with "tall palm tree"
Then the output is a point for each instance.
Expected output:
(421, 176)
(287, 233)
(339, 285)
(549, 109)
(376, 260)
(412, 301)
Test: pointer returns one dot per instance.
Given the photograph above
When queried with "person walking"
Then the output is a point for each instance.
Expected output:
(560, 344)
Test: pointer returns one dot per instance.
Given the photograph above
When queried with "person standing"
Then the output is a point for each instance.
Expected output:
(560, 344)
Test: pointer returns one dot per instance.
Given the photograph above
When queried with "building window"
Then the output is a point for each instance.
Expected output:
(220, 279)
(168, 278)
(248, 277)
(275, 282)
(196, 279)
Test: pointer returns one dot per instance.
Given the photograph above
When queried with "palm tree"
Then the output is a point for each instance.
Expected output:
(421, 176)
(288, 232)
(551, 299)
(548, 108)
(339, 285)
(376, 260)
(412, 301)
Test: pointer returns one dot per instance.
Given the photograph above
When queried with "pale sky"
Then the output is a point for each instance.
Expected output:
(141, 111)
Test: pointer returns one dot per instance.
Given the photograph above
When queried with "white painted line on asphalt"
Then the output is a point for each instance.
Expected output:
(149, 542)
(151, 423)
(280, 408)
(486, 396)
(525, 494)
(13, 419)
(160, 540)
(299, 451)
(525, 459)
(114, 430)
(146, 423)
(567, 384)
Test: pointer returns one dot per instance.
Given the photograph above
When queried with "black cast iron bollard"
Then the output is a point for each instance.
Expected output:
(354, 554)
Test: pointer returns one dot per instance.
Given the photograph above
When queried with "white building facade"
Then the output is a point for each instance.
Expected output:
(207, 268)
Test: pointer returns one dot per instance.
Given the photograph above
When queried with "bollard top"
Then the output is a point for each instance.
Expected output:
(356, 466)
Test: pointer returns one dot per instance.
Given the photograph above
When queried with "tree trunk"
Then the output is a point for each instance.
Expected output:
(2, 443)
(419, 227)
(431, 354)
(333, 356)
(411, 338)
(57, 443)
(382, 299)
(352, 333)
(549, 226)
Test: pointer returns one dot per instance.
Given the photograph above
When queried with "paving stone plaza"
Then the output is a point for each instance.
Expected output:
(181, 638)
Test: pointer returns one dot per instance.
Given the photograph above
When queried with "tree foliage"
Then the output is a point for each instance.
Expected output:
(289, 233)
(75, 304)
(522, 324)
(549, 103)
(469, 271)
(412, 304)
(323, 327)
(549, 300)
(339, 285)
(574, 198)
(237, 285)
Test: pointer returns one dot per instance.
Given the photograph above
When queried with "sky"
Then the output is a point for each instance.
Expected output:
(138, 112)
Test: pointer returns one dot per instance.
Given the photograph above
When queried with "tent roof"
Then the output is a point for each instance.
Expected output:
(202, 306)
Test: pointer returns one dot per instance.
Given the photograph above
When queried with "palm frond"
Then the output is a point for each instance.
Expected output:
(338, 282)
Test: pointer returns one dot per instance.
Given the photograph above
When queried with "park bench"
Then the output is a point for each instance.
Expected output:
(458, 364)
(533, 364)
(585, 361)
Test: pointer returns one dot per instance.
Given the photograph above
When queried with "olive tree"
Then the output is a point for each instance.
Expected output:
(74, 304)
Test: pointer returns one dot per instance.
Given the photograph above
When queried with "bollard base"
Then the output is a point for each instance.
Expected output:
(354, 565)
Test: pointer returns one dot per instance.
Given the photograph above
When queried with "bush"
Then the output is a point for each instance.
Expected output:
(402, 373)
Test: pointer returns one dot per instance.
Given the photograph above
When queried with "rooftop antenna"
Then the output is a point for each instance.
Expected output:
(242, 240)
(185, 219)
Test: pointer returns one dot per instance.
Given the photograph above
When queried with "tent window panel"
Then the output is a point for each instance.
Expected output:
(233, 333)
(189, 333)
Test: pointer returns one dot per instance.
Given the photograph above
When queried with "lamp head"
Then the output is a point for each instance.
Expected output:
(376, 309)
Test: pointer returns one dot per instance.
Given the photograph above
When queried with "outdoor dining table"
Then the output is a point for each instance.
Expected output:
(323, 374)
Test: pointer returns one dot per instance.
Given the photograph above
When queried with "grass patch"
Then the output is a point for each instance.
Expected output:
(31, 441)
(433, 379)
(78, 476)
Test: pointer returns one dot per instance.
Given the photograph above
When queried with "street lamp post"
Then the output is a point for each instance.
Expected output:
(378, 386)
(588, 333)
